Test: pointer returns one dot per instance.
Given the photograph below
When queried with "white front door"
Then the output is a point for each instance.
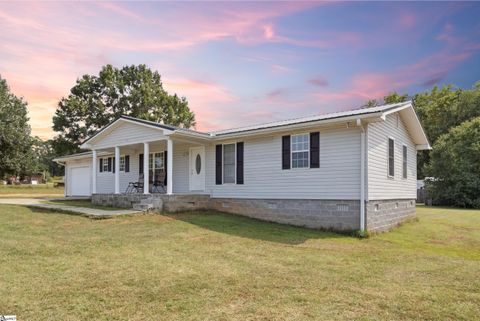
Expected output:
(197, 168)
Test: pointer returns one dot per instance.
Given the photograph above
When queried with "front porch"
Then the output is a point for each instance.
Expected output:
(155, 202)
(135, 157)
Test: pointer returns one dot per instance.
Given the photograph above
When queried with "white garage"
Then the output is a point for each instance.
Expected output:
(78, 174)
(79, 181)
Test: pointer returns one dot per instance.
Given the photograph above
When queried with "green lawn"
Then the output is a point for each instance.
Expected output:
(212, 266)
(40, 190)
(82, 203)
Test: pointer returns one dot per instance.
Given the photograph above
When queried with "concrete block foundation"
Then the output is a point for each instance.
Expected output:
(383, 215)
(339, 215)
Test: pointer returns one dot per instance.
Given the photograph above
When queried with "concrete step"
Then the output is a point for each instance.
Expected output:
(146, 201)
(142, 207)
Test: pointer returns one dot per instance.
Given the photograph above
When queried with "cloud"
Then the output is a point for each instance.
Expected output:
(279, 69)
(318, 81)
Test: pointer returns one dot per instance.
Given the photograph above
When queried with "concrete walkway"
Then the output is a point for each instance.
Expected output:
(89, 212)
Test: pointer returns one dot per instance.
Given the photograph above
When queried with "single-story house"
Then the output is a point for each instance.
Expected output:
(351, 170)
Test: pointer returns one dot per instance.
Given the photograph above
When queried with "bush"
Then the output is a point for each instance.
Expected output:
(455, 166)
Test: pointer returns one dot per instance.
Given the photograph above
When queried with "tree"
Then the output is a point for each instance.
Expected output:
(441, 109)
(97, 100)
(391, 98)
(15, 141)
(455, 166)
(394, 97)
(370, 103)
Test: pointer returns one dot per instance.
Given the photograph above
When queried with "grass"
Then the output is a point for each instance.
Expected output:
(82, 203)
(213, 266)
(28, 191)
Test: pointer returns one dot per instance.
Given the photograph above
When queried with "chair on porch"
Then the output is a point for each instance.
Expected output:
(135, 187)
(159, 181)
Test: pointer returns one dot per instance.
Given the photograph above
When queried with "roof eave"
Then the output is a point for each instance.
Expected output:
(280, 128)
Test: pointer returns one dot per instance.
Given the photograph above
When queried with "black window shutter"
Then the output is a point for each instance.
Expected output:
(165, 164)
(140, 164)
(127, 163)
(113, 161)
(286, 152)
(109, 164)
(218, 164)
(240, 163)
(101, 165)
(315, 150)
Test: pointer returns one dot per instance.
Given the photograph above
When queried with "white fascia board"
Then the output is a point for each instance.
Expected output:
(425, 144)
(423, 147)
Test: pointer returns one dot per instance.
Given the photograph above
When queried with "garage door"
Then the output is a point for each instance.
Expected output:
(80, 181)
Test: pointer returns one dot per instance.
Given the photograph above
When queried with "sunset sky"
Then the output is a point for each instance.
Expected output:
(242, 63)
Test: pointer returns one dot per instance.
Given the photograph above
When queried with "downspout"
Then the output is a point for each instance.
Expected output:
(362, 175)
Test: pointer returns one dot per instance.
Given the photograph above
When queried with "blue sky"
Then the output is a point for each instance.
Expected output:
(240, 63)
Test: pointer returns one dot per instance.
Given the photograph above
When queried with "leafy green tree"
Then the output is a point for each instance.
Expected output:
(391, 98)
(455, 166)
(15, 141)
(441, 109)
(97, 100)
(370, 103)
(394, 97)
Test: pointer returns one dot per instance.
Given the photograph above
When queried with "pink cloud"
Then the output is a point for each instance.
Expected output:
(268, 32)
(407, 20)
(427, 71)
(207, 99)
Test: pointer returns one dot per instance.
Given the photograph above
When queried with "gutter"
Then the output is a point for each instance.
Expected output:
(362, 174)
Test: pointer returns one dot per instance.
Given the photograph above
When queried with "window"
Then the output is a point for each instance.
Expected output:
(300, 150)
(391, 157)
(229, 163)
(105, 164)
(404, 167)
(155, 164)
(122, 163)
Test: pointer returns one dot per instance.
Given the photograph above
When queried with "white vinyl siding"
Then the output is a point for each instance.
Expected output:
(380, 185)
(127, 133)
(338, 177)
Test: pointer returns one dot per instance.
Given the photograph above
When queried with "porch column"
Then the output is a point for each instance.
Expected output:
(94, 171)
(117, 170)
(146, 172)
(169, 166)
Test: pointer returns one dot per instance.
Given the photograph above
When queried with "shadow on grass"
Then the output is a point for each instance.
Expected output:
(251, 228)
(36, 209)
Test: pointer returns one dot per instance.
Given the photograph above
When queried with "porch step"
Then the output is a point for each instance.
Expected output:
(142, 207)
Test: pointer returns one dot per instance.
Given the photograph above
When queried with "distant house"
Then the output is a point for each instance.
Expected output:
(345, 171)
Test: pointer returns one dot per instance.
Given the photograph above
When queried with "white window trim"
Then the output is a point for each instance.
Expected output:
(388, 157)
(105, 164)
(153, 159)
(300, 151)
(406, 162)
(223, 163)
(120, 163)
